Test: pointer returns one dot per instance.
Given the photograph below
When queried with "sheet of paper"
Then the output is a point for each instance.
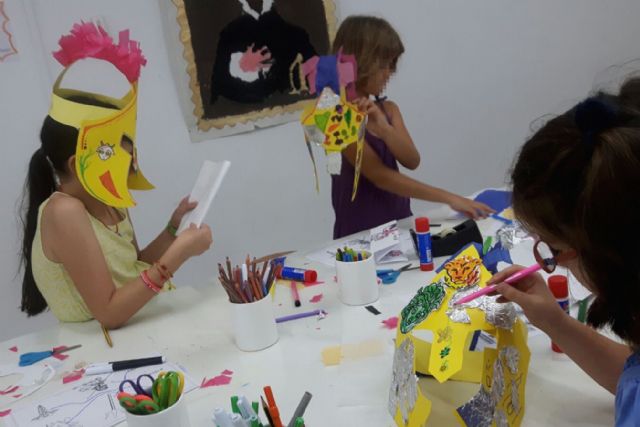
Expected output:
(89, 402)
(205, 189)
(386, 244)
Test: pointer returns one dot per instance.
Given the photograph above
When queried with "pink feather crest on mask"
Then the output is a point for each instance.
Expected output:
(88, 40)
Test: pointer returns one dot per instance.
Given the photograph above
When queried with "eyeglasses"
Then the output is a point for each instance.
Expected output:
(548, 258)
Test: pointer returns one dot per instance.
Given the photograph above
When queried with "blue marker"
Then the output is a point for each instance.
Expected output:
(424, 243)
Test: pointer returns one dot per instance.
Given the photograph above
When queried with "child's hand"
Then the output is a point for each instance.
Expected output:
(194, 240)
(377, 120)
(532, 294)
(470, 208)
(183, 207)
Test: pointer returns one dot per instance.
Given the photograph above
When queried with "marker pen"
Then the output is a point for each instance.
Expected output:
(107, 368)
(560, 289)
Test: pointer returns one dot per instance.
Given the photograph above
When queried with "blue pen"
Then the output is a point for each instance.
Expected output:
(359, 256)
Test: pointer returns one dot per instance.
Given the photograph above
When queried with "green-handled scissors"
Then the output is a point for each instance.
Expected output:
(138, 404)
(167, 388)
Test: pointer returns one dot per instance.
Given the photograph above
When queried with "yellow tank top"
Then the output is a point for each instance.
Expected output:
(56, 285)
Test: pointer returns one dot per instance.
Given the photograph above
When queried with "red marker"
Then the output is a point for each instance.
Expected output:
(273, 409)
(560, 289)
(294, 294)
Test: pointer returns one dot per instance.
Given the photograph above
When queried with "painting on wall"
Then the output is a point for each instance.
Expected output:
(244, 58)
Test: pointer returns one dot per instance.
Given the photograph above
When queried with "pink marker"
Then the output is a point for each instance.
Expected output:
(510, 280)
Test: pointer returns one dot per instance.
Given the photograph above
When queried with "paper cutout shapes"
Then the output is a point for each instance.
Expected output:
(316, 299)
(391, 323)
(428, 299)
(223, 379)
(502, 371)
(33, 378)
(462, 272)
(332, 121)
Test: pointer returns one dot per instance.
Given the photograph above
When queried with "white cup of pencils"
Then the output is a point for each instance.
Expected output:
(248, 287)
(356, 275)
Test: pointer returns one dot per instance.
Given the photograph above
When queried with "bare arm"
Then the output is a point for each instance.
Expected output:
(71, 240)
(396, 182)
(161, 243)
(394, 134)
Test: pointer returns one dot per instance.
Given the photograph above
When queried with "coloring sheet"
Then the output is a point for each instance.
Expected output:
(90, 402)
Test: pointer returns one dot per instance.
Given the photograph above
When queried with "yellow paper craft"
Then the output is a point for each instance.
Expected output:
(105, 125)
(447, 356)
(334, 123)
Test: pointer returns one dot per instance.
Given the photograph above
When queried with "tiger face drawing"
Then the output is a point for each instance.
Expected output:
(462, 272)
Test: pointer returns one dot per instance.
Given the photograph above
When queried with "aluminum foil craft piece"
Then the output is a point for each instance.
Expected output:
(404, 382)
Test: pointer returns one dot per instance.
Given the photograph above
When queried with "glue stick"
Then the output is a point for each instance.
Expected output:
(560, 289)
(424, 243)
(298, 274)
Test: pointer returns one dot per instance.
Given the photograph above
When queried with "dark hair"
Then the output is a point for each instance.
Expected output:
(579, 181)
(372, 40)
(58, 144)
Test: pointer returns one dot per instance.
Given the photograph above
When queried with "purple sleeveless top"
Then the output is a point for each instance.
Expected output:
(372, 205)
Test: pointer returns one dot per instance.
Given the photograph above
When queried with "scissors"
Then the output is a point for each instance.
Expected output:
(137, 386)
(140, 404)
(167, 388)
(390, 276)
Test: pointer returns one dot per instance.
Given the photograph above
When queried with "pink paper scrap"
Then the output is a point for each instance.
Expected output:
(316, 298)
(391, 322)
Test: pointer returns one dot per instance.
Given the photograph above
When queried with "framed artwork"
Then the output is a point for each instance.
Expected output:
(244, 58)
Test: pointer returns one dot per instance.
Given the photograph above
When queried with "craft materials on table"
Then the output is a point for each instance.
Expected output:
(247, 414)
(107, 336)
(297, 274)
(162, 392)
(502, 371)
(386, 245)
(295, 295)
(559, 287)
(357, 280)
(320, 313)
(389, 276)
(108, 367)
(347, 254)
(91, 401)
(18, 382)
(249, 282)
(423, 236)
(30, 358)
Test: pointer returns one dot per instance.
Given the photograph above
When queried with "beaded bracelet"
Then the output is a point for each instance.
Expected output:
(171, 229)
(163, 270)
(149, 283)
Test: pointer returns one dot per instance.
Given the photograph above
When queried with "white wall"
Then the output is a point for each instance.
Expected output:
(475, 75)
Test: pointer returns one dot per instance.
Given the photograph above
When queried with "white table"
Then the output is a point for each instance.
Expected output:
(192, 327)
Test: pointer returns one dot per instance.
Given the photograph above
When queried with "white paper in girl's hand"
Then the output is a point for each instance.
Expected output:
(205, 189)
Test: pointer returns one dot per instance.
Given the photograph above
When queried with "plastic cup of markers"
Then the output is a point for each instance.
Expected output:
(254, 325)
(357, 281)
(175, 415)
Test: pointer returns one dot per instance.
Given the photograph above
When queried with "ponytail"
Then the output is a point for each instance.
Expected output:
(40, 184)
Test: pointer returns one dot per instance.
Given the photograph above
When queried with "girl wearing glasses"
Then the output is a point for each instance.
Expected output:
(574, 185)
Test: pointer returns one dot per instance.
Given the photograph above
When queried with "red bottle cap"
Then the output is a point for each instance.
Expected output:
(422, 224)
(558, 286)
(310, 276)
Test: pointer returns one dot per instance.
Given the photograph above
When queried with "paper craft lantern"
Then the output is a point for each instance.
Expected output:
(332, 121)
(502, 372)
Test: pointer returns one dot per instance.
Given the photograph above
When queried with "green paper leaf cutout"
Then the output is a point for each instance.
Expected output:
(428, 299)
(322, 120)
(347, 117)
